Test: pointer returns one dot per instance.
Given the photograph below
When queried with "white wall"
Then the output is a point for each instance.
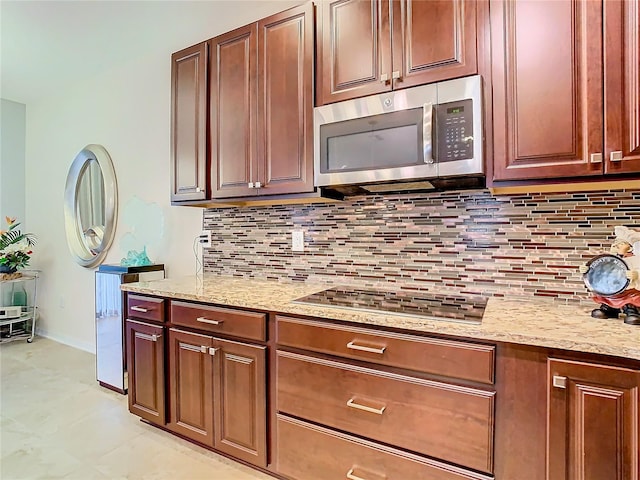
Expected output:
(12, 162)
(127, 110)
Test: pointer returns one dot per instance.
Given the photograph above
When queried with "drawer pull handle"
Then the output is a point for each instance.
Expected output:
(353, 476)
(206, 320)
(139, 309)
(354, 346)
(379, 411)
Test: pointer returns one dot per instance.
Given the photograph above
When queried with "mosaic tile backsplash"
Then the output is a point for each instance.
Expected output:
(468, 241)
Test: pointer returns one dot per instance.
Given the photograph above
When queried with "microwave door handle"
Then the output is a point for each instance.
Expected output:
(427, 132)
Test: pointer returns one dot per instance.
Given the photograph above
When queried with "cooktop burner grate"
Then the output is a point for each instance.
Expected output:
(452, 307)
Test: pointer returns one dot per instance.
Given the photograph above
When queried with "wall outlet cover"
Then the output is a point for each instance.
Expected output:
(205, 238)
(297, 241)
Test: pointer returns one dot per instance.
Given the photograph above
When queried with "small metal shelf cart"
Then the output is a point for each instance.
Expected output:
(18, 308)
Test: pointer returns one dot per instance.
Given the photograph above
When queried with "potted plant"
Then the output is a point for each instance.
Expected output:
(15, 247)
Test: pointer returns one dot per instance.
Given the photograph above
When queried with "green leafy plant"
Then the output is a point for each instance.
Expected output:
(15, 246)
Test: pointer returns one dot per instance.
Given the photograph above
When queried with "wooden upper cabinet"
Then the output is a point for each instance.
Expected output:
(262, 107)
(622, 86)
(285, 102)
(438, 41)
(547, 88)
(233, 112)
(593, 421)
(354, 49)
(189, 165)
(566, 88)
(372, 46)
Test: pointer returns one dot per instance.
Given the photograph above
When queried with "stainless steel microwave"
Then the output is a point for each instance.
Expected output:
(424, 132)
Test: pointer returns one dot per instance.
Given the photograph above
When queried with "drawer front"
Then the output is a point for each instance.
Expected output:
(464, 360)
(219, 320)
(444, 421)
(333, 455)
(145, 308)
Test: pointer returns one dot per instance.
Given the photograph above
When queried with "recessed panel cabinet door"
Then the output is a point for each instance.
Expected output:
(145, 365)
(432, 41)
(354, 49)
(233, 106)
(547, 88)
(241, 425)
(189, 166)
(622, 86)
(191, 385)
(285, 102)
(593, 422)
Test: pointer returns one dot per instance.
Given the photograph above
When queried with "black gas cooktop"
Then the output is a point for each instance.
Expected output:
(452, 307)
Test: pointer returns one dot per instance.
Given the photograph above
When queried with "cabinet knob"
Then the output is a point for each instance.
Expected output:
(596, 157)
(616, 156)
(559, 381)
(384, 77)
(396, 75)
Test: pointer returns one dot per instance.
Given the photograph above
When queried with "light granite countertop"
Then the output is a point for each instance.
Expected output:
(538, 322)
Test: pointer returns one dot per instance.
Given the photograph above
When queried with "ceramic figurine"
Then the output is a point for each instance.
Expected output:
(626, 246)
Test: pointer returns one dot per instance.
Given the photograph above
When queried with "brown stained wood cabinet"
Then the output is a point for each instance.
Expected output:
(217, 392)
(593, 421)
(565, 88)
(189, 104)
(372, 46)
(366, 420)
(261, 84)
(145, 365)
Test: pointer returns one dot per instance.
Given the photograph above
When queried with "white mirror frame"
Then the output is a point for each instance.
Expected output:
(87, 251)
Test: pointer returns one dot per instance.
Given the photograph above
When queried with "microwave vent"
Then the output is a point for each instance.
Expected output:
(398, 187)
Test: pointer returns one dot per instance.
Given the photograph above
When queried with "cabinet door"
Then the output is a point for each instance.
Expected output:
(354, 49)
(285, 101)
(593, 421)
(547, 88)
(432, 41)
(233, 107)
(622, 86)
(145, 365)
(191, 385)
(241, 429)
(189, 168)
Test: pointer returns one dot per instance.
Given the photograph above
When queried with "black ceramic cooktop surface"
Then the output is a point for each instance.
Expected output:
(452, 307)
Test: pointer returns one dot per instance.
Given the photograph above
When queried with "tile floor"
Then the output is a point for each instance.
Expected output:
(57, 422)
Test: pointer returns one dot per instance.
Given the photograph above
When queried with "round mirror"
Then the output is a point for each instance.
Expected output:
(90, 205)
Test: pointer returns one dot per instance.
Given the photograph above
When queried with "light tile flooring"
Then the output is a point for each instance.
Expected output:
(57, 422)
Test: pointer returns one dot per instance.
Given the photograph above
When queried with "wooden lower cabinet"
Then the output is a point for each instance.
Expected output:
(145, 365)
(593, 421)
(191, 385)
(307, 451)
(441, 420)
(218, 394)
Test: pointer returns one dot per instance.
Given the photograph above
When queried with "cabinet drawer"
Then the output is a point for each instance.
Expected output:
(445, 421)
(333, 455)
(146, 308)
(219, 320)
(464, 360)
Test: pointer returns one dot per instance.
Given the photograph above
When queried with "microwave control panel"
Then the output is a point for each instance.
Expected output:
(454, 131)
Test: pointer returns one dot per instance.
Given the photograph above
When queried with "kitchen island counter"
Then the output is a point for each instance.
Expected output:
(525, 321)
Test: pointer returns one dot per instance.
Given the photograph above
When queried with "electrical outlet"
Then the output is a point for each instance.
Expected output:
(297, 241)
(205, 238)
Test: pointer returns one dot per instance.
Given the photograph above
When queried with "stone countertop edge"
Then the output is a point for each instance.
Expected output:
(536, 322)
